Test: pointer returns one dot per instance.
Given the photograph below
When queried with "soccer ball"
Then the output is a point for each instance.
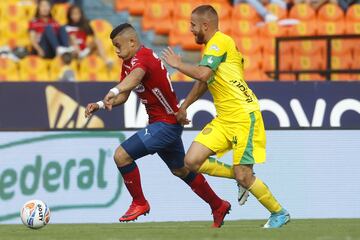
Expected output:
(35, 214)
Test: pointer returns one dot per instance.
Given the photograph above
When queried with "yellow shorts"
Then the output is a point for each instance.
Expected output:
(246, 138)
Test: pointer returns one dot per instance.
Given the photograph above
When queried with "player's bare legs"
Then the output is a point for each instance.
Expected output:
(194, 158)
(198, 159)
(121, 157)
(245, 177)
(131, 176)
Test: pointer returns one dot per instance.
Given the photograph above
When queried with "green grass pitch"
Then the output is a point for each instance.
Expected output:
(321, 229)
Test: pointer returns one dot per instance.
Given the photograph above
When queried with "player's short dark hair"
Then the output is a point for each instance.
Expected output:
(205, 9)
(119, 29)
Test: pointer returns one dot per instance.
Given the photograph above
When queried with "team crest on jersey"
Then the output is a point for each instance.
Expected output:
(214, 47)
(139, 88)
(133, 61)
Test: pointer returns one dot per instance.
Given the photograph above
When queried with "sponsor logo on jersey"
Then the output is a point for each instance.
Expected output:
(214, 47)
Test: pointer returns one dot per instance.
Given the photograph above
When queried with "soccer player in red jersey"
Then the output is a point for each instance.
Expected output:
(143, 72)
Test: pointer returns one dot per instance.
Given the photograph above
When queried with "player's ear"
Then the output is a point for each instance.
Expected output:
(205, 26)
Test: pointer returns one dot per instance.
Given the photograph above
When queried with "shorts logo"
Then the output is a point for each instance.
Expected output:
(207, 131)
(234, 140)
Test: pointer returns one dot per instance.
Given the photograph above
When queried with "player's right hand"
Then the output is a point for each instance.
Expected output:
(181, 117)
(90, 109)
(109, 100)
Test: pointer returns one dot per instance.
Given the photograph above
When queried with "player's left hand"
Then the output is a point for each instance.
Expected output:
(109, 100)
(181, 117)
(170, 57)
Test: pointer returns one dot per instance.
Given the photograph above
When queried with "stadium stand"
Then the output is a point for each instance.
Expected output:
(170, 19)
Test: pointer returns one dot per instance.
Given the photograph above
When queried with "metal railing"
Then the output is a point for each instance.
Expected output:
(326, 72)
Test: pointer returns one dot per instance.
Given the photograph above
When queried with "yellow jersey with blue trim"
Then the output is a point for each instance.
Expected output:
(232, 96)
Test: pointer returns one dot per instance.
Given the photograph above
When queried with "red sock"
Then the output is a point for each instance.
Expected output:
(133, 184)
(201, 187)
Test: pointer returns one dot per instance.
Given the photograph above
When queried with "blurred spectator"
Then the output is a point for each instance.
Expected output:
(345, 4)
(82, 37)
(260, 8)
(316, 4)
(74, 2)
(48, 38)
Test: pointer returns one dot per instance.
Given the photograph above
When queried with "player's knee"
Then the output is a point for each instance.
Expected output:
(180, 172)
(244, 177)
(191, 164)
(121, 158)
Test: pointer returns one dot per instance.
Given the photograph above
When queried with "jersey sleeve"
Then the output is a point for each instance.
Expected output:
(32, 26)
(139, 62)
(214, 54)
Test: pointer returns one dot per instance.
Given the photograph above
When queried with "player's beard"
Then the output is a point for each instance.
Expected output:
(200, 37)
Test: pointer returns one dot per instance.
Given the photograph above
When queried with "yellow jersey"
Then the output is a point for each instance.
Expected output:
(232, 96)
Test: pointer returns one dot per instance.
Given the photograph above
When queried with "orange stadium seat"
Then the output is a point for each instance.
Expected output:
(278, 11)
(311, 77)
(56, 65)
(353, 27)
(304, 62)
(353, 13)
(15, 32)
(272, 29)
(137, 8)
(341, 77)
(225, 26)
(158, 12)
(268, 44)
(340, 47)
(356, 60)
(183, 9)
(256, 75)
(244, 28)
(8, 70)
(93, 68)
(30, 9)
(330, 12)
(268, 64)
(309, 47)
(12, 10)
(59, 12)
(101, 27)
(302, 11)
(252, 61)
(248, 45)
(34, 68)
(108, 47)
(222, 8)
(303, 29)
(244, 11)
(180, 34)
(115, 71)
(121, 5)
(341, 62)
(252, 67)
(331, 28)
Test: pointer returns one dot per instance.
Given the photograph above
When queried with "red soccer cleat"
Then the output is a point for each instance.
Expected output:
(135, 211)
(220, 213)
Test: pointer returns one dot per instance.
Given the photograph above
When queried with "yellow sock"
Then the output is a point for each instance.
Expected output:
(265, 197)
(216, 168)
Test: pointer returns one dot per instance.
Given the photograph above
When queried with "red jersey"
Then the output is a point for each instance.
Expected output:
(79, 34)
(155, 90)
(38, 25)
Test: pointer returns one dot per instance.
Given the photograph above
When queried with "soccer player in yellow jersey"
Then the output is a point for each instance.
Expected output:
(238, 125)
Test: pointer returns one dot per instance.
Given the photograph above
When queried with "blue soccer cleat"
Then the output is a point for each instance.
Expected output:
(278, 219)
